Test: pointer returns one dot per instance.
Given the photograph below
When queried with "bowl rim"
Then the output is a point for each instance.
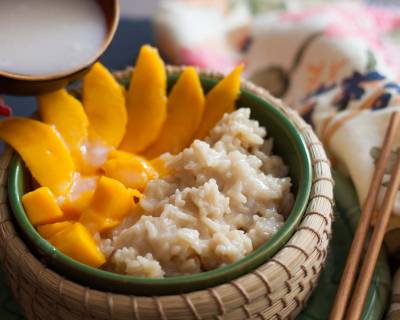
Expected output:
(261, 254)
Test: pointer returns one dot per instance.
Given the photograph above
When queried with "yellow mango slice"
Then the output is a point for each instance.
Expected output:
(67, 115)
(110, 203)
(104, 102)
(146, 101)
(136, 195)
(73, 208)
(94, 154)
(77, 242)
(114, 154)
(159, 165)
(111, 199)
(220, 100)
(133, 172)
(95, 222)
(184, 112)
(49, 230)
(79, 196)
(43, 151)
(41, 206)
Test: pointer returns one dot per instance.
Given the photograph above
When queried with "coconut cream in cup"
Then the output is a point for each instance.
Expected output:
(42, 37)
(43, 41)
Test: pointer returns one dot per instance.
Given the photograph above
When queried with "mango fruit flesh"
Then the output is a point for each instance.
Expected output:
(110, 203)
(111, 199)
(136, 195)
(79, 196)
(49, 230)
(96, 222)
(94, 154)
(41, 206)
(104, 103)
(66, 114)
(146, 101)
(118, 154)
(220, 100)
(43, 151)
(76, 242)
(133, 172)
(159, 165)
(184, 112)
(73, 208)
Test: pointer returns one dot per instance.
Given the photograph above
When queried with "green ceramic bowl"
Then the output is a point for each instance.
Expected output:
(288, 144)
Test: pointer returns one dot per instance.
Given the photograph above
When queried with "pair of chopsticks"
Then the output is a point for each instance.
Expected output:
(364, 279)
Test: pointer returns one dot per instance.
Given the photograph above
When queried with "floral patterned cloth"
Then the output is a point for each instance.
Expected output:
(290, 52)
(351, 118)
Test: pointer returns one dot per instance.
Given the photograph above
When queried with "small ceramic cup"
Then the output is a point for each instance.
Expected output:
(17, 84)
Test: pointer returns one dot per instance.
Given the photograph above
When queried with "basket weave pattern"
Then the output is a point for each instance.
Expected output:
(276, 290)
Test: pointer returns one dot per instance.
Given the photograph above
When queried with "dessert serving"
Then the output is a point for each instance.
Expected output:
(223, 198)
(136, 181)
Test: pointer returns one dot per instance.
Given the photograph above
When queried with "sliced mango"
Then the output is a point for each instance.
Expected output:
(134, 172)
(159, 165)
(111, 199)
(73, 208)
(94, 154)
(184, 112)
(49, 230)
(146, 101)
(43, 151)
(77, 242)
(136, 195)
(104, 102)
(221, 99)
(119, 154)
(95, 222)
(41, 206)
(66, 114)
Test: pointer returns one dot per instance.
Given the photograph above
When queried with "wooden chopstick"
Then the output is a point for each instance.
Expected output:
(374, 246)
(353, 258)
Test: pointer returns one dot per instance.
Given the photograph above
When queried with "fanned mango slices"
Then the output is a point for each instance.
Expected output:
(67, 115)
(146, 101)
(42, 150)
(77, 242)
(184, 112)
(104, 102)
(221, 99)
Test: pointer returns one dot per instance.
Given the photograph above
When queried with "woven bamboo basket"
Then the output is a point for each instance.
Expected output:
(277, 289)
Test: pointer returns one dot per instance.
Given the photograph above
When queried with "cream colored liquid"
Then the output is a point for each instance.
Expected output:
(42, 37)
